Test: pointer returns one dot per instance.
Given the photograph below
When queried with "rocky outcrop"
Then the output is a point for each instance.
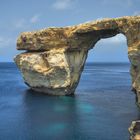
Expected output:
(135, 130)
(55, 57)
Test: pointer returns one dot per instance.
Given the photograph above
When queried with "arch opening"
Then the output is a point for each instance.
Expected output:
(113, 49)
(108, 55)
(106, 82)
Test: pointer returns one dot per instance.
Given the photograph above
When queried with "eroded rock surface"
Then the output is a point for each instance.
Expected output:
(135, 130)
(55, 57)
(53, 72)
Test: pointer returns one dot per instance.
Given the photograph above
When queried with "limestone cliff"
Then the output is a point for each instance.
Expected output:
(55, 57)
(135, 130)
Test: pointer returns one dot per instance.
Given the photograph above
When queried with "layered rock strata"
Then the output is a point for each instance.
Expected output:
(55, 57)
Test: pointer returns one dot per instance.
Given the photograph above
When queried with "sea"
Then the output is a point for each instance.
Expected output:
(102, 108)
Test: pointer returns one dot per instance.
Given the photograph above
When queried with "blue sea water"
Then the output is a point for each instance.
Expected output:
(102, 108)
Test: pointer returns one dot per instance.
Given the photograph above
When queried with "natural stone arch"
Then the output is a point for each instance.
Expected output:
(55, 57)
(108, 50)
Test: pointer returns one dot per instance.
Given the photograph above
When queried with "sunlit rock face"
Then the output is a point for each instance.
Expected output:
(55, 57)
(54, 72)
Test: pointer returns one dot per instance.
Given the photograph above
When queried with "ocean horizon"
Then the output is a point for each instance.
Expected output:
(102, 108)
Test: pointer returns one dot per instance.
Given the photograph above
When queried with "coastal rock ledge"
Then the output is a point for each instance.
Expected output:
(55, 57)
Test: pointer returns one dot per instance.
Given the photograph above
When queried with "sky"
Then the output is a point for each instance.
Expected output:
(17, 16)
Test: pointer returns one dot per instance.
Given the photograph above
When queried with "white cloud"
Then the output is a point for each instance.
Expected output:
(100, 18)
(136, 13)
(63, 4)
(5, 41)
(24, 22)
(34, 19)
(128, 3)
(118, 39)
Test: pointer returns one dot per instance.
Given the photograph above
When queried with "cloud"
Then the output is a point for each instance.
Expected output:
(24, 22)
(34, 19)
(128, 3)
(136, 13)
(118, 39)
(63, 4)
(100, 18)
(5, 41)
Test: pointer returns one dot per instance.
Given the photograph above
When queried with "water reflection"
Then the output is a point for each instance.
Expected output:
(51, 116)
(77, 117)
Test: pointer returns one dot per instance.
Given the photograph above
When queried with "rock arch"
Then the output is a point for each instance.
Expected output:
(55, 57)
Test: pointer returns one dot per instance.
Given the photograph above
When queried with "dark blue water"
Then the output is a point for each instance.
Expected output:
(102, 108)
